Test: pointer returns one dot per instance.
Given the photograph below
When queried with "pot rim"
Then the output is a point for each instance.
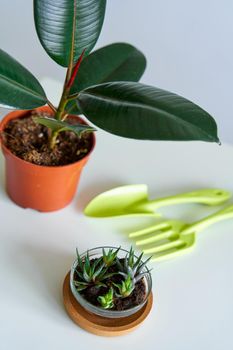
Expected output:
(108, 312)
(7, 118)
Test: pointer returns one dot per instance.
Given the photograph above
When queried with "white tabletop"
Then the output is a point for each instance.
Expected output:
(193, 304)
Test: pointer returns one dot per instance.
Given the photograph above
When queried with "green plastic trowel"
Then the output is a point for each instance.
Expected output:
(133, 200)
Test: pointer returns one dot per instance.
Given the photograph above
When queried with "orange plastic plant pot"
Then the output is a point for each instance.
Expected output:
(44, 188)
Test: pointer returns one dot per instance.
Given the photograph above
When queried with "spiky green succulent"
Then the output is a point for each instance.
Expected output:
(106, 301)
(90, 272)
(125, 288)
(132, 266)
(109, 258)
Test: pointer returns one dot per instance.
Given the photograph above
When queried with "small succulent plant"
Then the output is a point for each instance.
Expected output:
(125, 288)
(109, 258)
(132, 266)
(108, 279)
(90, 272)
(106, 301)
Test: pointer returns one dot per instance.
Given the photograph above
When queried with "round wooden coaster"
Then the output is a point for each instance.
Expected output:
(100, 325)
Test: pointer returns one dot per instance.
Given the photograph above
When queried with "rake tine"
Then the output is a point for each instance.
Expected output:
(150, 229)
(163, 247)
(157, 237)
(170, 253)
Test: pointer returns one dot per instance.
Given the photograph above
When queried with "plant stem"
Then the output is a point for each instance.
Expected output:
(51, 106)
(71, 73)
(70, 77)
(62, 104)
(65, 116)
(65, 92)
(61, 108)
(53, 139)
(72, 97)
(75, 70)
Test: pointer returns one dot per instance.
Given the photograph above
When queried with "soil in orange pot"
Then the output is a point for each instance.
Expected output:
(30, 141)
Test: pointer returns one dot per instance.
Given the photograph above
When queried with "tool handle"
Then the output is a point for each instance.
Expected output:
(224, 214)
(212, 196)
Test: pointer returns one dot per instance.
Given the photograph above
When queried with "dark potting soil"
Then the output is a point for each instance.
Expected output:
(30, 141)
(136, 297)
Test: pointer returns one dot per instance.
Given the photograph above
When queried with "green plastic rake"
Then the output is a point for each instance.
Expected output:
(172, 237)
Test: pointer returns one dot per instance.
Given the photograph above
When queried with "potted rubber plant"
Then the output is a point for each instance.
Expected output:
(111, 282)
(46, 146)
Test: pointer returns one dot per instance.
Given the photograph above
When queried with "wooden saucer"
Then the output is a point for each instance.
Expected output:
(101, 325)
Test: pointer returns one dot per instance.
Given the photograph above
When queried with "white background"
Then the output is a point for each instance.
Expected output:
(188, 45)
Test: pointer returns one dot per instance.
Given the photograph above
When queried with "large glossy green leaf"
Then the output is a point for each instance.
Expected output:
(139, 111)
(18, 87)
(59, 125)
(115, 62)
(64, 26)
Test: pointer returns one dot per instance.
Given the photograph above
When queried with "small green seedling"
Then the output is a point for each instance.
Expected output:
(90, 272)
(106, 301)
(132, 267)
(109, 258)
(125, 288)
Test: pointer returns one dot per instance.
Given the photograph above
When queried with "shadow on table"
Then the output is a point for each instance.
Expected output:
(42, 272)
